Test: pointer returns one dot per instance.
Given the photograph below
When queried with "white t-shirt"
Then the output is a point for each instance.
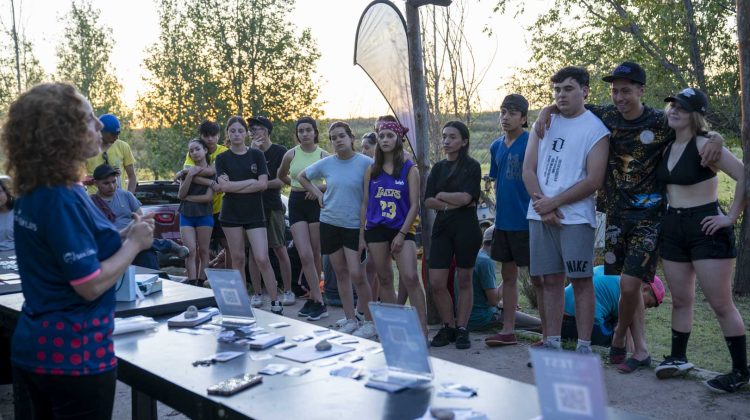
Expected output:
(561, 163)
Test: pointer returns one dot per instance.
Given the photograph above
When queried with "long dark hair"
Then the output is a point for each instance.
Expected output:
(306, 120)
(463, 153)
(398, 159)
(205, 146)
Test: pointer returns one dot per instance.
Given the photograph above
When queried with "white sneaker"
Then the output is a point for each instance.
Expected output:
(349, 326)
(256, 301)
(367, 330)
(288, 298)
(340, 323)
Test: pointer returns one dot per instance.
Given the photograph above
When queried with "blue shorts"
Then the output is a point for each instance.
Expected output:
(197, 221)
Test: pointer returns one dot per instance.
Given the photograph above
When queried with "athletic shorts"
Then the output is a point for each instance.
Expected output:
(384, 234)
(458, 235)
(510, 245)
(333, 238)
(275, 228)
(302, 210)
(245, 226)
(632, 243)
(684, 241)
(565, 249)
(197, 221)
(218, 232)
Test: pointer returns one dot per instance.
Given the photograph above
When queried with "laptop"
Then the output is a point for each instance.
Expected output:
(231, 297)
(404, 347)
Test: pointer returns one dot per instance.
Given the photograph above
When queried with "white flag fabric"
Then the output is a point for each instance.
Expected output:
(382, 50)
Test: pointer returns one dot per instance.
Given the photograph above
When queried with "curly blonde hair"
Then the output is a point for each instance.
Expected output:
(44, 137)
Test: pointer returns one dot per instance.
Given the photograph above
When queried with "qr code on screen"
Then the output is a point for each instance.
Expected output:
(398, 334)
(230, 297)
(573, 399)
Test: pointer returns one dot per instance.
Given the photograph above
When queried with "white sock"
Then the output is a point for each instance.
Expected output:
(583, 343)
(554, 341)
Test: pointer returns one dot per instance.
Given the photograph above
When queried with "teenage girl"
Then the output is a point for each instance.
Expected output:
(698, 239)
(196, 212)
(241, 174)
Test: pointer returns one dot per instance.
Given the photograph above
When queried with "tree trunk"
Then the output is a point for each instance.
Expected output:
(742, 273)
(695, 52)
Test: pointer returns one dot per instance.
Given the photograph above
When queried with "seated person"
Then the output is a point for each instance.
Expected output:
(607, 293)
(485, 313)
(6, 217)
(118, 206)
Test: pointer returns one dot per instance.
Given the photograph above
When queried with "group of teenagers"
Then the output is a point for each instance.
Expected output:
(660, 195)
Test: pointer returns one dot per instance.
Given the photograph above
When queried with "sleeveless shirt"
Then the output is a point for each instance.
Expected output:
(388, 200)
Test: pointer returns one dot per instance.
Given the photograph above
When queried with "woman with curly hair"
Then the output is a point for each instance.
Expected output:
(69, 258)
(6, 217)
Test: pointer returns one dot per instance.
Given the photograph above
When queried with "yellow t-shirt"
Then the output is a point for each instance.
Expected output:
(119, 156)
(217, 197)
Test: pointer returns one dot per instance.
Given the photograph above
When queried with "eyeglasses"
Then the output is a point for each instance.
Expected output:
(105, 157)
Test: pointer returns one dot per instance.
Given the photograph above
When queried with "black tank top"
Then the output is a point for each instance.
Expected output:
(687, 170)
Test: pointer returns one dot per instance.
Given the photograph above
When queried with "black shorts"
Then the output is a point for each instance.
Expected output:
(384, 234)
(510, 245)
(333, 238)
(684, 241)
(569, 331)
(302, 210)
(245, 226)
(457, 235)
(217, 232)
(632, 243)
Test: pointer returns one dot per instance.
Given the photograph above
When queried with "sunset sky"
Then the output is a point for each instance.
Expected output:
(345, 89)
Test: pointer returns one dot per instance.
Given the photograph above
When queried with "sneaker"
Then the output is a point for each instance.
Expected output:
(498, 340)
(349, 326)
(288, 298)
(672, 367)
(462, 338)
(182, 251)
(277, 307)
(445, 336)
(583, 350)
(317, 310)
(256, 301)
(367, 330)
(729, 382)
(536, 344)
(340, 323)
(305, 310)
(632, 364)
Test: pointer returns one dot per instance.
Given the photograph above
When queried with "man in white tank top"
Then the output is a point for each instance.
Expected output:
(561, 172)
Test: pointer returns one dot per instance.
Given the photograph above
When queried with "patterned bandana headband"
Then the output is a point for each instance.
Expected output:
(397, 128)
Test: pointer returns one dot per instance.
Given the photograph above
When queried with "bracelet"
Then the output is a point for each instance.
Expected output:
(402, 233)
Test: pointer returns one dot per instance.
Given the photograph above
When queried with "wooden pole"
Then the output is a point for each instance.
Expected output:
(742, 268)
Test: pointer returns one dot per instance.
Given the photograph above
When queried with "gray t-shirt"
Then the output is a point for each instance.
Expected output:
(6, 231)
(344, 188)
(123, 204)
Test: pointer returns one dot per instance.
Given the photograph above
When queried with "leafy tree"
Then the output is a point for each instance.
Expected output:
(679, 44)
(19, 68)
(218, 58)
(84, 59)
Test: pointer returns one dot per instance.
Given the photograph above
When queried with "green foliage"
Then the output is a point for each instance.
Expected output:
(218, 58)
(84, 59)
(599, 34)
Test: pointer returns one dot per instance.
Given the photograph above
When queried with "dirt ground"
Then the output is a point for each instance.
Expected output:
(639, 393)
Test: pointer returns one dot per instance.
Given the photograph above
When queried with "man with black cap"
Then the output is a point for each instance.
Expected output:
(260, 129)
(115, 153)
(633, 200)
(510, 237)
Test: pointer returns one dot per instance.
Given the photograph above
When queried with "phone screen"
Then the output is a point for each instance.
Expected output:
(363, 256)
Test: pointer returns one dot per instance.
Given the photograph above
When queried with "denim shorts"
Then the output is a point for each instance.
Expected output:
(197, 221)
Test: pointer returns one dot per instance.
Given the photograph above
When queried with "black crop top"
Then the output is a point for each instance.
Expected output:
(687, 170)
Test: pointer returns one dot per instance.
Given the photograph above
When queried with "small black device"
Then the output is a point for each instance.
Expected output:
(363, 256)
(234, 385)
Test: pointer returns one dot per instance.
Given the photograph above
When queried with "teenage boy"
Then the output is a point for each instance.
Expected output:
(633, 201)
(510, 240)
(209, 133)
(561, 172)
(115, 153)
(260, 129)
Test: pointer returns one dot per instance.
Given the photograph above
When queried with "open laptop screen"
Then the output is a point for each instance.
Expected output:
(230, 292)
(401, 336)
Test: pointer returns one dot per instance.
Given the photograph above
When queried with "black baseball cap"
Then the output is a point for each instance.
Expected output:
(261, 121)
(691, 100)
(104, 171)
(627, 70)
(517, 102)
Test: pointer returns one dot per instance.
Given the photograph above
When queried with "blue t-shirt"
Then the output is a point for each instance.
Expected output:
(483, 277)
(345, 180)
(123, 204)
(506, 168)
(607, 294)
(59, 332)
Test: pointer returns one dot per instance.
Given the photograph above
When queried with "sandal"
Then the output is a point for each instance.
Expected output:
(632, 364)
(617, 355)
